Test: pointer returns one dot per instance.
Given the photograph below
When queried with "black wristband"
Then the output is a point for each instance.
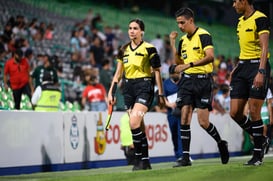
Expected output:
(172, 69)
(191, 64)
(160, 95)
(262, 71)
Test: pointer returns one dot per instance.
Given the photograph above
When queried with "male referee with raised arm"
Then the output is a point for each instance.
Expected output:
(194, 57)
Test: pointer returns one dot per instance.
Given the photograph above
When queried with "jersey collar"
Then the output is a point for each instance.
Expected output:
(189, 36)
(137, 46)
(245, 18)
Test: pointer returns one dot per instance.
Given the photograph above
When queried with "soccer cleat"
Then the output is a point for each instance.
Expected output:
(254, 161)
(142, 165)
(223, 149)
(182, 162)
(177, 162)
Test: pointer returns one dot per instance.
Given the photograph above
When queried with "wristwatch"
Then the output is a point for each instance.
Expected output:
(262, 71)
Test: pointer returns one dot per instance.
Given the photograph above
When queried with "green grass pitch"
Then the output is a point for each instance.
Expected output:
(201, 169)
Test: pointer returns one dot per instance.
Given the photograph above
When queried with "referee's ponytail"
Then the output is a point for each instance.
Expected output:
(121, 50)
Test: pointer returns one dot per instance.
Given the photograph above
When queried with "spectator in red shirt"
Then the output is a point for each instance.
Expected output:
(16, 76)
(222, 72)
(94, 95)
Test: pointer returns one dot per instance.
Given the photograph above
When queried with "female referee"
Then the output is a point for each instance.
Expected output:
(139, 65)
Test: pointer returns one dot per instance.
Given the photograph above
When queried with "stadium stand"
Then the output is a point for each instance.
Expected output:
(66, 16)
(57, 46)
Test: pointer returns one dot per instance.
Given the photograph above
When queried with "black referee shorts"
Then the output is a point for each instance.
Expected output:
(195, 90)
(241, 85)
(139, 90)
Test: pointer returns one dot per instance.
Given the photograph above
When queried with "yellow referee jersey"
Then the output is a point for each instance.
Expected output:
(137, 62)
(248, 31)
(192, 48)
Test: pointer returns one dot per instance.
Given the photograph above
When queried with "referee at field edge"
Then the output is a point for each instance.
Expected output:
(250, 78)
(194, 58)
(138, 60)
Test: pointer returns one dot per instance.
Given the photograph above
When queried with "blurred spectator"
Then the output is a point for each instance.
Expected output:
(46, 66)
(216, 106)
(75, 45)
(165, 68)
(228, 77)
(79, 75)
(16, 75)
(84, 44)
(96, 22)
(39, 60)
(94, 94)
(46, 96)
(223, 97)
(57, 64)
(95, 32)
(159, 45)
(41, 29)
(110, 40)
(170, 86)
(266, 115)
(7, 34)
(222, 72)
(11, 45)
(75, 94)
(230, 65)
(22, 43)
(96, 52)
(3, 51)
(217, 61)
(49, 31)
(167, 49)
(19, 29)
(32, 29)
(30, 58)
(89, 15)
(118, 33)
(106, 74)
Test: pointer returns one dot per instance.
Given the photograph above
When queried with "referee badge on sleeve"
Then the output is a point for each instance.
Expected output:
(125, 60)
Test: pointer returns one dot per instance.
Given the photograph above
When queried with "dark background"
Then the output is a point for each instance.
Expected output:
(220, 11)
